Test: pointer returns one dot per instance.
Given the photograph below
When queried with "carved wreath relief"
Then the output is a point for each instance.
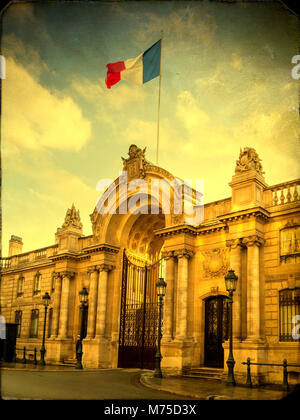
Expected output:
(215, 262)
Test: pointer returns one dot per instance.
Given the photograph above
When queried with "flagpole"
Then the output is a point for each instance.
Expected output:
(157, 141)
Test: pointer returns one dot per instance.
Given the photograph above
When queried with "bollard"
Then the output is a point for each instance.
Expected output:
(34, 356)
(249, 382)
(285, 384)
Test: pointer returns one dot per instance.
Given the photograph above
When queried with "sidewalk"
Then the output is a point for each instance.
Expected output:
(204, 389)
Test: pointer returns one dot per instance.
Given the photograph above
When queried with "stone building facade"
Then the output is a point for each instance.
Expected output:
(256, 232)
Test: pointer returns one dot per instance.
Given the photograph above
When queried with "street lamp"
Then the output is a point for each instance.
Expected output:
(83, 297)
(161, 291)
(46, 301)
(230, 283)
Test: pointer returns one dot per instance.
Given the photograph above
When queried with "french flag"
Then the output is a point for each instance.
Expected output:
(141, 69)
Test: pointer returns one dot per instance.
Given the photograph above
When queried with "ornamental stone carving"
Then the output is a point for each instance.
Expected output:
(67, 273)
(253, 240)
(215, 262)
(166, 255)
(248, 160)
(135, 163)
(98, 221)
(92, 268)
(234, 243)
(106, 267)
(180, 253)
(72, 219)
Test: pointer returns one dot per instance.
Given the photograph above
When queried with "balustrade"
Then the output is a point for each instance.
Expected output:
(285, 193)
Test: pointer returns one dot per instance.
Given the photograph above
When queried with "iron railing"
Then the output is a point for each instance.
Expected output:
(26, 351)
(284, 365)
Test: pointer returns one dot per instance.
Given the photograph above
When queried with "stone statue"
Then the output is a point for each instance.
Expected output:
(72, 218)
(134, 165)
(248, 160)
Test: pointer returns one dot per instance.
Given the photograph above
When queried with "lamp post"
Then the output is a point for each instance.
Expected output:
(161, 291)
(230, 282)
(46, 300)
(83, 297)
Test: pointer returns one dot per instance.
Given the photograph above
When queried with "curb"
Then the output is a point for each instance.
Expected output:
(145, 380)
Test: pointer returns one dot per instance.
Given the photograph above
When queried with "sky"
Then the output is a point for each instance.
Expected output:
(226, 83)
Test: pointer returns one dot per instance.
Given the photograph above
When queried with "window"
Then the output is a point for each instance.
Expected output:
(18, 321)
(34, 323)
(53, 278)
(289, 307)
(20, 286)
(290, 244)
(37, 284)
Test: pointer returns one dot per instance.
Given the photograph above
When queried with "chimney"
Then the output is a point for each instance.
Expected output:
(15, 245)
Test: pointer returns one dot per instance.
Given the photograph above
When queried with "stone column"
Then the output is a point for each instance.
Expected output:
(235, 246)
(64, 304)
(56, 305)
(183, 256)
(168, 318)
(93, 291)
(253, 243)
(102, 299)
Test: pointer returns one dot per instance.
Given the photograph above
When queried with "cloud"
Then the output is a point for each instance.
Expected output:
(203, 135)
(117, 97)
(196, 22)
(13, 46)
(237, 61)
(145, 133)
(41, 194)
(35, 118)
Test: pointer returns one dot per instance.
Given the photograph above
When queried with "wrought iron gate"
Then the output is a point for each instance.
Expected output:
(216, 330)
(138, 318)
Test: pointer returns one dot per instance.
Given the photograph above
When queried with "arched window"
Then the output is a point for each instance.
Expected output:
(289, 309)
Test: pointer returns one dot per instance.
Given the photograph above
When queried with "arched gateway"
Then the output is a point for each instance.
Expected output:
(133, 209)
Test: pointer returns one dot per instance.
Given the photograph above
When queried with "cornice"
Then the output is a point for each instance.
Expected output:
(22, 268)
(257, 212)
(65, 256)
(190, 230)
(101, 248)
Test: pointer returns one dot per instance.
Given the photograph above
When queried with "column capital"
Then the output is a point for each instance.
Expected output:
(166, 255)
(184, 252)
(253, 240)
(56, 275)
(105, 267)
(92, 268)
(234, 243)
(67, 273)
